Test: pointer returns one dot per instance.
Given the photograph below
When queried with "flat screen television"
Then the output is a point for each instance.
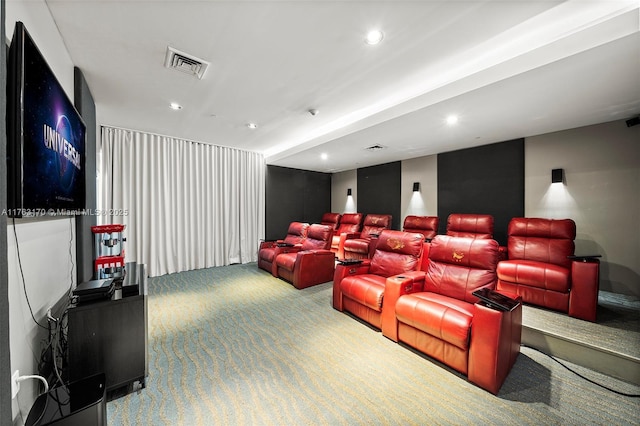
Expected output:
(45, 137)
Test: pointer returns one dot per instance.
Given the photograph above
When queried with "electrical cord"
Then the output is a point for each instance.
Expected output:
(35, 376)
(24, 284)
(631, 395)
(54, 352)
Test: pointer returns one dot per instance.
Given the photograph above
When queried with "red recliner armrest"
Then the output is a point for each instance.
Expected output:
(343, 237)
(394, 287)
(266, 244)
(585, 284)
(346, 271)
(495, 345)
(312, 267)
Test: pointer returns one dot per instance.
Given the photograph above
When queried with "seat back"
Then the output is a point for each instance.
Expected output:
(396, 252)
(297, 233)
(425, 225)
(349, 223)
(542, 240)
(318, 237)
(331, 219)
(470, 225)
(459, 265)
(375, 224)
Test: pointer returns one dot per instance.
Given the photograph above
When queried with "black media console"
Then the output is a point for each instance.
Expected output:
(110, 336)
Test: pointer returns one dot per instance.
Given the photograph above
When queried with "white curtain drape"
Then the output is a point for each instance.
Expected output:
(186, 205)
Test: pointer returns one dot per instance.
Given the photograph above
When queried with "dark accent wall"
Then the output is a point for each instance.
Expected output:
(294, 195)
(379, 190)
(84, 238)
(5, 352)
(486, 180)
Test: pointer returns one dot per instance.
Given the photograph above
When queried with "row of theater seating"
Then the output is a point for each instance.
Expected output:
(422, 294)
(538, 262)
(416, 292)
(420, 291)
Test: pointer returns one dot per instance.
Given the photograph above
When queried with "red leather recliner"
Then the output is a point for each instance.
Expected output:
(443, 319)
(362, 246)
(349, 227)
(425, 225)
(331, 219)
(473, 226)
(539, 270)
(313, 264)
(470, 225)
(268, 250)
(360, 288)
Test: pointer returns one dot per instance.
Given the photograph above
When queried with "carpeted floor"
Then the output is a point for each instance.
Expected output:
(235, 346)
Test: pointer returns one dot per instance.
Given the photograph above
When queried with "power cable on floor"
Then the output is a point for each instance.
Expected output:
(583, 377)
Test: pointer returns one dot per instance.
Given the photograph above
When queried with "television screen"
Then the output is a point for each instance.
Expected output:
(46, 141)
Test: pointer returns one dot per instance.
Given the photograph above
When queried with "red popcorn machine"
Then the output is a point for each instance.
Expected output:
(109, 251)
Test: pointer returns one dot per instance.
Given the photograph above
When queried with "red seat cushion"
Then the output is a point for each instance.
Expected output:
(365, 289)
(535, 274)
(287, 261)
(443, 317)
(267, 254)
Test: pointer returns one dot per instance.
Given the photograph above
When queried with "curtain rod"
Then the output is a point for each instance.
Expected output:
(182, 139)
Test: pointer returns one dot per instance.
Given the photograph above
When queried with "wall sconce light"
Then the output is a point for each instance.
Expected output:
(349, 192)
(557, 175)
(416, 186)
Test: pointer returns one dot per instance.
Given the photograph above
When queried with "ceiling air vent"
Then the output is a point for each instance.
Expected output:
(184, 62)
(375, 148)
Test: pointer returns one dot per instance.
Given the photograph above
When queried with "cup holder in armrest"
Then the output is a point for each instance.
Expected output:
(585, 258)
(349, 261)
(285, 245)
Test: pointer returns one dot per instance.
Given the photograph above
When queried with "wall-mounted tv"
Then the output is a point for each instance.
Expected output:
(45, 136)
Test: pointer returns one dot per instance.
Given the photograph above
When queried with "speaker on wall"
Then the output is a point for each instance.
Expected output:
(633, 121)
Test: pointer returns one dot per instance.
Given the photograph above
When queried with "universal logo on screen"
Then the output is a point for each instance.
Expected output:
(55, 141)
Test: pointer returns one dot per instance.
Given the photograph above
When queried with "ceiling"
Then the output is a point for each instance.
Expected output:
(506, 69)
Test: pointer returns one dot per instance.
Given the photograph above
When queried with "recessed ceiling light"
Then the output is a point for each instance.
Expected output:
(175, 106)
(324, 156)
(252, 125)
(313, 111)
(374, 37)
(452, 119)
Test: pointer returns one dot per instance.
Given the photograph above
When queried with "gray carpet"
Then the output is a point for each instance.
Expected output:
(235, 346)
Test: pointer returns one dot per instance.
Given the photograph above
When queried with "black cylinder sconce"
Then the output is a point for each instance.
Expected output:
(349, 192)
(416, 186)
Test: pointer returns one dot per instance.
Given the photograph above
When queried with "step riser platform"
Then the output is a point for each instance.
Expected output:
(618, 365)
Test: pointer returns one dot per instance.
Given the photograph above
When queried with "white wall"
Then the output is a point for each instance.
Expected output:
(340, 182)
(601, 194)
(44, 244)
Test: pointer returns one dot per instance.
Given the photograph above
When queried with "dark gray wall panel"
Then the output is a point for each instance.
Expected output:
(84, 238)
(294, 195)
(379, 190)
(486, 180)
